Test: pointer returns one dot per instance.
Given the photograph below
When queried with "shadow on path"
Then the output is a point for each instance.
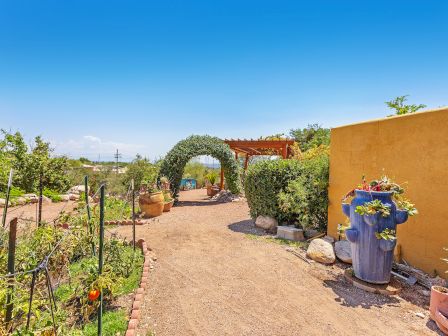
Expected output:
(350, 296)
(248, 227)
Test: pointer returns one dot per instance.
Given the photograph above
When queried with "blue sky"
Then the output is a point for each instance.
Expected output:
(92, 76)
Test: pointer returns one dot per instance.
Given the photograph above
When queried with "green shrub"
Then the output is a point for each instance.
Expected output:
(263, 183)
(51, 194)
(293, 191)
(305, 199)
(14, 193)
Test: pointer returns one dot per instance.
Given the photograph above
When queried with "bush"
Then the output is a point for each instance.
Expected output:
(306, 198)
(51, 194)
(293, 191)
(263, 183)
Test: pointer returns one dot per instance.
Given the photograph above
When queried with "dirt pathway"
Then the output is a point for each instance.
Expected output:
(211, 279)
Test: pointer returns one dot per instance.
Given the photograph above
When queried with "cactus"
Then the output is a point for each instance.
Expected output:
(372, 257)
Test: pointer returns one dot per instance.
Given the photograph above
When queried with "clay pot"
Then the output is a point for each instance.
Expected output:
(151, 204)
(438, 308)
(167, 206)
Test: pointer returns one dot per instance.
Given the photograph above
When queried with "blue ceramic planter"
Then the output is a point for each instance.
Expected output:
(372, 257)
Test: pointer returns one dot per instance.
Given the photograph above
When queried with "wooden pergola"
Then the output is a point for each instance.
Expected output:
(248, 148)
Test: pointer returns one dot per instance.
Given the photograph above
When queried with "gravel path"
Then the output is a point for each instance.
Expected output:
(211, 279)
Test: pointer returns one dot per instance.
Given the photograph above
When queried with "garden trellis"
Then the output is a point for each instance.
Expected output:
(39, 277)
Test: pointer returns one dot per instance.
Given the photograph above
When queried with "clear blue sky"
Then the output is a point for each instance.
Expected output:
(140, 75)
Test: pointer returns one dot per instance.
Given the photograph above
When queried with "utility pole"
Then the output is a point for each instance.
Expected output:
(117, 156)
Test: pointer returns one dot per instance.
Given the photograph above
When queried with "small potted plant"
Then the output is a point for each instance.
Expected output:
(211, 180)
(438, 308)
(151, 199)
(169, 201)
(375, 211)
(165, 183)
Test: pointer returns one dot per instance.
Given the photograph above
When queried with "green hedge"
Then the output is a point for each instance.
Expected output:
(293, 191)
(263, 183)
(174, 163)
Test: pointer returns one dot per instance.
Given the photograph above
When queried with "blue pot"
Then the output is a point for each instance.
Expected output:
(372, 257)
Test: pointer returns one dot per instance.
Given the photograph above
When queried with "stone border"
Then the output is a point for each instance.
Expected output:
(139, 292)
(123, 222)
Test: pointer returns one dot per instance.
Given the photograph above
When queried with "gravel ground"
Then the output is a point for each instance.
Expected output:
(210, 279)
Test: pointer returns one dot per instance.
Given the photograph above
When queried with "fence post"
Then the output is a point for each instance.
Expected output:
(39, 214)
(89, 215)
(100, 259)
(133, 213)
(11, 258)
(8, 191)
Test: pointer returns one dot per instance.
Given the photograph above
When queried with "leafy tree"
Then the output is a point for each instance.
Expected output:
(29, 164)
(398, 104)
(310, 137)
(142, 171)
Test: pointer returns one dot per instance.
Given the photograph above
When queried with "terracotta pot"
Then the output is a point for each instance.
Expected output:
(167, 206)
(151, 204)
(438, 308)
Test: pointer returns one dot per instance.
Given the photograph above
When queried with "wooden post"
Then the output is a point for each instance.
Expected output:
(11, 258)
(246, 161)
(41, 188)
(221, 184)
(285, 152)
(100, 259)
(8, 191)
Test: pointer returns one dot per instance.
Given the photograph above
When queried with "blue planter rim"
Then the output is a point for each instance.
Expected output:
(373, 193)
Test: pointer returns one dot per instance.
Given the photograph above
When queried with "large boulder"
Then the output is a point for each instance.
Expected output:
(268, 223)
(343, 251)
(321, 251)
(78, 189)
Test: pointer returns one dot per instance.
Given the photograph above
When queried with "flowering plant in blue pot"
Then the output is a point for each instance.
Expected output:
(375, 211)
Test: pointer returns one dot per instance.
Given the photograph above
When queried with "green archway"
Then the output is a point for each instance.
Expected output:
(174, 163)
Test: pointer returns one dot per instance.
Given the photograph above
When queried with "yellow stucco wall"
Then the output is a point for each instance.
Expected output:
(412, 150)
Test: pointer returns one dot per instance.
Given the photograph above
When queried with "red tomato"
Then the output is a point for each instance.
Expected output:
(94, 294)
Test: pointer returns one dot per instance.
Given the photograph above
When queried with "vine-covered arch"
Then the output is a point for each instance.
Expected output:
(174, 163)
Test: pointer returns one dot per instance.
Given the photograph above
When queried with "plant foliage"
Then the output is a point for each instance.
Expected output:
(400, 107)
(195, 145)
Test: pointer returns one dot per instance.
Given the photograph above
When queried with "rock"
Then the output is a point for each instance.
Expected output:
(225, 196)
(311, 233)
(321, 251)
(343, 251)
(2, 202)
(65, 198)
(78, 189)
(290, 233)
(73, 197)
(20, 201)
(329, 239)
(32, 198)
(268, 223)
(46, 200)
(421, 315)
